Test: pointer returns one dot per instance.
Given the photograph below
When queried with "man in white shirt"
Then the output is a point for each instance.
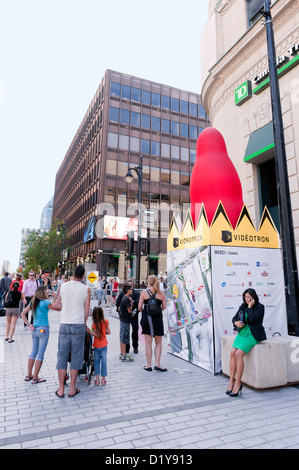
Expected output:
(75, 299)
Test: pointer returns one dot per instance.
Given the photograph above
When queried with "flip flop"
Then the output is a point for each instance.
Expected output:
(149, 369)
(38, 381)
(28, 378)
(160, 369)
(76, 393)
(59, 396)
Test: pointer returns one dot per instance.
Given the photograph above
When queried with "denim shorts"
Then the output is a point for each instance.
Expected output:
(124, 332)
(40, 338)
(70, 340)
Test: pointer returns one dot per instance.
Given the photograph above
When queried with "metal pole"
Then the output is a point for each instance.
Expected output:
(139, 222)
(284, 200)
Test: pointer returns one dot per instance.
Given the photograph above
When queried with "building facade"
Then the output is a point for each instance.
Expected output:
(128, 117)
(46, 216)
(236, 95)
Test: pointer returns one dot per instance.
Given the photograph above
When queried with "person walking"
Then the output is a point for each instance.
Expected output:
(5, 282)
(100, 328)
(40, 305)
(12, 312)
(75, 299)
(114, 290)
(152, 326)
(28, 291)
(249, 323)
(125, 311)
(134, 315)
(19, 280)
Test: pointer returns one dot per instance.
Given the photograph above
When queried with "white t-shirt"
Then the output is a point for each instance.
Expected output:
(73, 296)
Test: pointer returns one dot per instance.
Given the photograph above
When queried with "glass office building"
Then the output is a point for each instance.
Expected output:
(128, 117)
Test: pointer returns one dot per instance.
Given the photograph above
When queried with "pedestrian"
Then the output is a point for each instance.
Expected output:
(28, 291)
(5, 282)
(40, 305)
(125, 311)
(109, 291)
(75, 299)
(100, 328)
(18, 279)
(12, 312)
(114, 290)
(249, 323)
(134, 315)
(152, 326)
(104, 284)
(162, 284)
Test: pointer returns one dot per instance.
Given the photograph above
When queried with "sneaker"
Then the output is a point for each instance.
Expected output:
(136, 351)
(127, 358)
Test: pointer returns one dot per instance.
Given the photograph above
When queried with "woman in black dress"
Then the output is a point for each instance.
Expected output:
(152, 326)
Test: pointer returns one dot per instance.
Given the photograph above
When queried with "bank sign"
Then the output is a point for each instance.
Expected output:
(284, 64)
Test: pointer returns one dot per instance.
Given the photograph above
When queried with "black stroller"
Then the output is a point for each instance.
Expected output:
(87, 370)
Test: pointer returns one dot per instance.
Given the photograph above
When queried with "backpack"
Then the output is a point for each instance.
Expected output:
(153, 306)
(9, 301)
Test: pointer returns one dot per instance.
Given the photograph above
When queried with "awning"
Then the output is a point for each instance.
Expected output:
(260, 145)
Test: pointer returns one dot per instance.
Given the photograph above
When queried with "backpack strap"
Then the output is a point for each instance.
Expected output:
(150, 294)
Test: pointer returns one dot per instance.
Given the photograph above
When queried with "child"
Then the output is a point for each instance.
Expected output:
(100, 327)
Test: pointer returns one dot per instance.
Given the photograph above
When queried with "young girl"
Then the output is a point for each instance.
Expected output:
(39, 305)
(100, 327)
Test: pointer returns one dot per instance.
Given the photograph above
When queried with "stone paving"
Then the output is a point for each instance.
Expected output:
(184, 408)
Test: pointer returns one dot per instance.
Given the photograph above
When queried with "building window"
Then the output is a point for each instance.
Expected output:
(175, 152)
(135, 119)
(156, 125)
(145, 172)
(124, 116)
(184, 130)
(124, 142)
(145, 146)
(115, 89)
(185, 179)
(175, 128)
(134, 144)
(192, 155)
(112, 140)
(122, 169)
(193, 132)
(184, 154)
(146, 97)
(253, 8)
(111, 167)
(184, 107)
(113, 114)
(165, 150)
(193, 109)
(201, 112)
(156, 100)
(165, 102)
(155, 148)
(175, 177)
(165, 175)
(165, 126)
(136, 95)
(155, 174)
(145, 121)
(175, 105)
(126, 92)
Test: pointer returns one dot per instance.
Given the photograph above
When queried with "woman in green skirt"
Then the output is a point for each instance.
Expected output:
(249, 323)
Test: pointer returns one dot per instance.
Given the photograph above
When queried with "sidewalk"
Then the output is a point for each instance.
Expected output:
(184, 408)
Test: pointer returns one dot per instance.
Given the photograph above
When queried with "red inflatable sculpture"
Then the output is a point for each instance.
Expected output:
(214, 178)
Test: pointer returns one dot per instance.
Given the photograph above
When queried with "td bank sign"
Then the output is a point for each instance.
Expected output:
(261, 81)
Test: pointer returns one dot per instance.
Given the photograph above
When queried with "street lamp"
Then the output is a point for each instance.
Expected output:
(129, 179)
(58, 231)
(283, 191)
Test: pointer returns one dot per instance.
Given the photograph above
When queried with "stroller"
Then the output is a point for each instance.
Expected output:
(87, 370)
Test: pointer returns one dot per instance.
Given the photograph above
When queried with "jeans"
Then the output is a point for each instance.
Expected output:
(40, 338)
(100, 361)
(70, 340)
(101, 295)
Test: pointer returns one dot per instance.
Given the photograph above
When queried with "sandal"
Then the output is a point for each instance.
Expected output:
(149, 369)
(38, 381)
(59, 396)
(28, 378)
(103, 381)
(74, 394)
(97, 382)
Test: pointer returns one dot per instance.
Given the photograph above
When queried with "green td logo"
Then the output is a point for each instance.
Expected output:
(243, 93)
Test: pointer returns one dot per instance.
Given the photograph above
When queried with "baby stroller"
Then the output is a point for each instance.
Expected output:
(87, 370)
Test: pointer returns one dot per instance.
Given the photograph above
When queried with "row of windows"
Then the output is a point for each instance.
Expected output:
(149, 173)
(150, 147)
(157, 100)
(153, 123)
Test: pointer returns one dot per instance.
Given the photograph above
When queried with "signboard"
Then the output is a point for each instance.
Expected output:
(92, 279)
(116, 228)
(243, 93)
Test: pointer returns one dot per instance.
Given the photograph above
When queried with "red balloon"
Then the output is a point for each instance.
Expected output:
(214, 178)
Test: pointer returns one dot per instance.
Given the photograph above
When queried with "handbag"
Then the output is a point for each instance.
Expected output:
(9, 301)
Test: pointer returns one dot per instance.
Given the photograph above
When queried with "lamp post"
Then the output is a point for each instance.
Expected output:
(284, 200)
(58, 231)
(129, 179)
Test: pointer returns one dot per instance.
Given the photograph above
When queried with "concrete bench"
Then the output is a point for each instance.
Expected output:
(271, 363)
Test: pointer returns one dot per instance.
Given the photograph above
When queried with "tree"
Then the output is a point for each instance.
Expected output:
(43, 249)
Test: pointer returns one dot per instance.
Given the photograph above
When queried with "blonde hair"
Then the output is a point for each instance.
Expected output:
(41, 293)
(153, 282)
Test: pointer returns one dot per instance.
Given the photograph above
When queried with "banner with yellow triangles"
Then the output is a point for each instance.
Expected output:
(221, 232)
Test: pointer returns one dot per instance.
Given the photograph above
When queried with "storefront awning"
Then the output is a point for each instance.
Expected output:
(260, 145)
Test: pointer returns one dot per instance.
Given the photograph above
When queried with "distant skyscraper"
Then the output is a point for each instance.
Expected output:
(25, 233)
(46, 217)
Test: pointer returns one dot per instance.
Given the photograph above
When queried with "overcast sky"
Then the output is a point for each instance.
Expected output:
(53, 57)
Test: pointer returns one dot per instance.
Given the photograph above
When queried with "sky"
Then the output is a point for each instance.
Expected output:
(53, 56)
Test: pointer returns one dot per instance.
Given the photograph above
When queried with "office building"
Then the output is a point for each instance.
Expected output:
(46, 216)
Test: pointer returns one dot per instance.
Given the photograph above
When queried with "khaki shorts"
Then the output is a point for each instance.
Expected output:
(12, 312)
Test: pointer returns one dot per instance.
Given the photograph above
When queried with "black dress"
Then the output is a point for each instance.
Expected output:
(152, 325)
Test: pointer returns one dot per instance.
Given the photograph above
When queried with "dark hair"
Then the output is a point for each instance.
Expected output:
(253, 295)
(126, 288)
(79, 271)
(15, 285)
(98, 320)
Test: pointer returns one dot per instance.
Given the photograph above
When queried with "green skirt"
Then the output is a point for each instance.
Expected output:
(245, 340)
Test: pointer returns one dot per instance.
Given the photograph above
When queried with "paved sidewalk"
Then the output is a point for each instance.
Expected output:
(184, 408)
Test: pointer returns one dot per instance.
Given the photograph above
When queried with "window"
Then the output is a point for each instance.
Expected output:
(175, 177)
(145, 172)
(135, 119)
(192, 155)
(114, 114)
(122, 169)
(193, 109)
(253, 7)
(165, 126)
(134, 144)
(110, 195)
(115, 89)
(112, 140)
(146, 97)
(201, 112)
(175, 128)
(145, 146)
(155, 174)
(111, 167)
(184, 154)
(156, 100)
(156, 123)
(165, 102)
(184, 130)
(126, 92)
(165, 175)
(193, 132)
(156, 148)
(124, 116)
(184, 107)
(175, 105)
(185, 178)
(165, 150)
(145, 121)
(175, 152)
(124, 142)
(136, 95)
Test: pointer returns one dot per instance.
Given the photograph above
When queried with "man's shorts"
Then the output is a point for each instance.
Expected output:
(70, 341)
(124, 332)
